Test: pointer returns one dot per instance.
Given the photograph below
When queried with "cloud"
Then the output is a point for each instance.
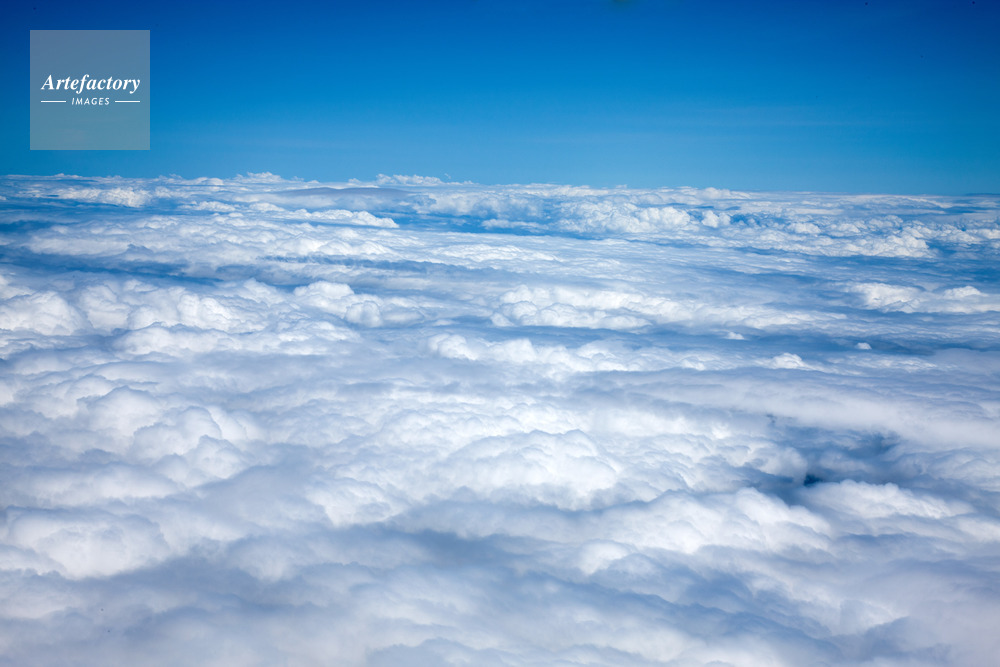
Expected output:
(120, 196)
(965, 299)
(259, 421)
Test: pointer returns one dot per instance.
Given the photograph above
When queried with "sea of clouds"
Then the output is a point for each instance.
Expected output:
(406, 422)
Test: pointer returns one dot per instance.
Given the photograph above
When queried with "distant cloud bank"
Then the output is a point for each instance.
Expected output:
(412, 422)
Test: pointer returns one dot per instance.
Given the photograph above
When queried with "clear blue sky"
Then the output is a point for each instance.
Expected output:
(850, 95)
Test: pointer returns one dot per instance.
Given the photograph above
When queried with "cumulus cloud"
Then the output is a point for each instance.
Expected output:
(262, 421)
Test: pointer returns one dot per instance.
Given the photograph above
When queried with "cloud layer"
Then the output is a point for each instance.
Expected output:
(408, 422)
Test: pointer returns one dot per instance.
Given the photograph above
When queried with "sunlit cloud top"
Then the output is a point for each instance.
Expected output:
(408, 421)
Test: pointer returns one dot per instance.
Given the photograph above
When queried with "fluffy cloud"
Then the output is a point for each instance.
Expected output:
(259, 421)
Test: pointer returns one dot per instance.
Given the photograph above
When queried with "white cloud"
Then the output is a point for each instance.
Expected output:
(415, 422)
(120, 196)
(965, 299)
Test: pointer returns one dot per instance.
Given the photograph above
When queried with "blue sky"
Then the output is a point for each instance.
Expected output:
(837, 96)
